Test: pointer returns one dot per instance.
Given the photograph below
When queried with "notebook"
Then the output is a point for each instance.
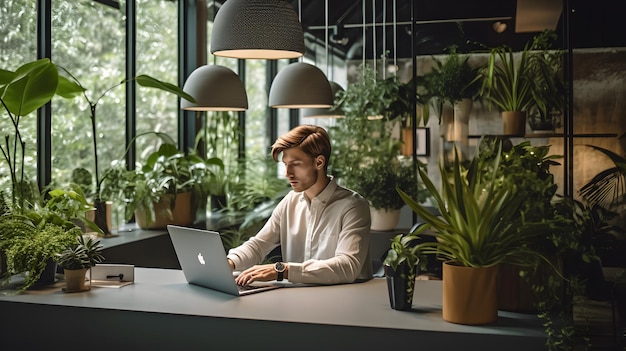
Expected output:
(203, 260)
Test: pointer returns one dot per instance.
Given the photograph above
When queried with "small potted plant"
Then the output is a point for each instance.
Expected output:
(517, 82)
(76, 260)
(400, 266)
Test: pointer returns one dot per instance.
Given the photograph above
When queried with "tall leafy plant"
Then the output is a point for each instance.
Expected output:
(480, 223)
(372, 107)
(142, 80)
(22, 92)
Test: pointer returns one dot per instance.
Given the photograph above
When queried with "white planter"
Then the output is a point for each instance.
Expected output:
(384, 219)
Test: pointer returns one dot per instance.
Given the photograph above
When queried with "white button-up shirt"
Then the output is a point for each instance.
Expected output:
(325, 241)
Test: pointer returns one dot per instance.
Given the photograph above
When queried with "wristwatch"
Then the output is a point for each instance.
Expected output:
(279, 267)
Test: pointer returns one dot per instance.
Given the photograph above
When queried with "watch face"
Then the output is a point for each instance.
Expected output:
(279, 267)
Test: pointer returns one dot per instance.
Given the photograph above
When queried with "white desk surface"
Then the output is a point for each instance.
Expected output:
(361, 305)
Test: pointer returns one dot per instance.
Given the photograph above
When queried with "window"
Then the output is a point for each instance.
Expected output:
(96, 58)
(18, 45)
(157, 35)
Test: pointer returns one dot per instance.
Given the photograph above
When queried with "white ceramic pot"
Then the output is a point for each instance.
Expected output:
(384, 219)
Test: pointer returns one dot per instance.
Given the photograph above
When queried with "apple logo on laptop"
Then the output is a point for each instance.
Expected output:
(201, 259)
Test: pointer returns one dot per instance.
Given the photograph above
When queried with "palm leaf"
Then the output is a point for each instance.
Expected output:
(607, 188)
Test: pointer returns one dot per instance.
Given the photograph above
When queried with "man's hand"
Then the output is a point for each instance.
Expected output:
(259, 273)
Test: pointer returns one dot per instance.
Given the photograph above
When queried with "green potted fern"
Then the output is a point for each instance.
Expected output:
(30, 250)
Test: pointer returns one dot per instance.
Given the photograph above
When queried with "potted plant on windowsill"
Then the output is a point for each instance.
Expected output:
(144, 81)
(479, 227)
(165, 188)
(76, 260)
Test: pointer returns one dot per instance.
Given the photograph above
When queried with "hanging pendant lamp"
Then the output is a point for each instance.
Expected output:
(257, 29)
(332, 112)
(215, 88)
(300, 85)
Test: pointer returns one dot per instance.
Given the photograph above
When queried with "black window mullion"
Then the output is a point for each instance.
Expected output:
(187, 62)
(44, 114)
(131, 87)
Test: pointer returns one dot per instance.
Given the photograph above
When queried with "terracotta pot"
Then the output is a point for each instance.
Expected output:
(407, 139)
(384, 219)
(75, 279)
(514, 123)
(462, 111)
(181, 214)
(469, 294)
(514, 293)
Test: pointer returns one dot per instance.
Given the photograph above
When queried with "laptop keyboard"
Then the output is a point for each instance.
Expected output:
(246, 287)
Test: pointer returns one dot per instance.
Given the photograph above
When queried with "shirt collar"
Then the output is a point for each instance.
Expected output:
(327, 193)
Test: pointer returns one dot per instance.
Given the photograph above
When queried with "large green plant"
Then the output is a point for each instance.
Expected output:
(364, 137)
(142, 80)
(22, 92)
(480, 223)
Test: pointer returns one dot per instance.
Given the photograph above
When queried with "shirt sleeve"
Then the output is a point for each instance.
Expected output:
(351, 260)
(255, 249)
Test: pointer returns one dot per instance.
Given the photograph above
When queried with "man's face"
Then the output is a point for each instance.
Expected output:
(300, 169)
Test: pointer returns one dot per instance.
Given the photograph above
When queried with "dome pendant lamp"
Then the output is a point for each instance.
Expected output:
(300, 85)
(257, 29)
(215, 88)
(332, 112)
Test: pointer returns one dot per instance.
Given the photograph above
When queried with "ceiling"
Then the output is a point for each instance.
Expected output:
(468, 24)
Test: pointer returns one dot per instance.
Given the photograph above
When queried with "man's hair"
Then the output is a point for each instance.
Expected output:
(312, 140)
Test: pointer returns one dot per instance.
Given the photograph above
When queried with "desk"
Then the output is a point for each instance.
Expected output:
(162, 311)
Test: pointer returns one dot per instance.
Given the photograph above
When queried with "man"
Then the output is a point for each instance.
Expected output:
(321, 227)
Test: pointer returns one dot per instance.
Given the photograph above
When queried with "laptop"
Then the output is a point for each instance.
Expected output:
(203, 260)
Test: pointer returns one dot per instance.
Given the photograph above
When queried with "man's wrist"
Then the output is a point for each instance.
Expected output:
(231, 264)
(281, 270)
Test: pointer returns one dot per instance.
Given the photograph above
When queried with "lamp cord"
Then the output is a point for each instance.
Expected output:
(326, 36)
(374, 36)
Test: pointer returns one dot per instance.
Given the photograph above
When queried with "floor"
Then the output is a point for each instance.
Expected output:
(595, 319)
